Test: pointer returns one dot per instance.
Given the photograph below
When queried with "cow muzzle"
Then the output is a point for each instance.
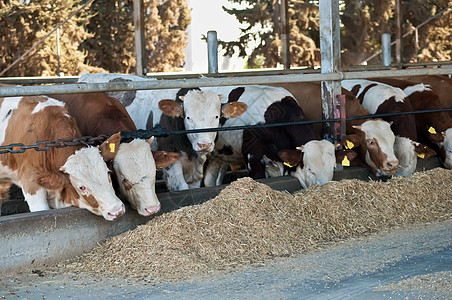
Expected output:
(116, 213)
(204, 147)
(390, 167)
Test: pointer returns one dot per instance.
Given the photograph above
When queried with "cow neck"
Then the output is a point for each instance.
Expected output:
(175, 142)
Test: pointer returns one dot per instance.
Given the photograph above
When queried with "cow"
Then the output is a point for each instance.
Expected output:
(373, 140)
(135, 164)
(176, 109)
(143, 109)
(192, 109)
(379, 98)
(434, 129)
(259, 148)
(60, 177)
(265, 147)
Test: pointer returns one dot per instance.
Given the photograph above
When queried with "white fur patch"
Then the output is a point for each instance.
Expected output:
(416, 88)
(49, 102)
(7, 108)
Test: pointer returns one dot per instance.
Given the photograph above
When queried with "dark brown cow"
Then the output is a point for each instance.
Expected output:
(134, 164)
(373, 139)
(60, 177)
(263, 148)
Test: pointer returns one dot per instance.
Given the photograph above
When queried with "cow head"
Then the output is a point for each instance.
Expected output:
(376, 142)
(314, 163)
(135, 169)
(201, 109)
(407, 152)
(445, 147)
(89, 176)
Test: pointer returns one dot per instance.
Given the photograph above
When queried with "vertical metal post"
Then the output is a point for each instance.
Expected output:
(386, 49)
(212, 51)
(330, 58)
(398, 34)
(138, 22)
(285, 44)
(416, 44)
(58, 51)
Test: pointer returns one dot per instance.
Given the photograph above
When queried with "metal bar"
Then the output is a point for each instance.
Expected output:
(58, 51)
(331, 60)
(416, 44)
(212, 51)
(285, 45)
(398, 39)
(138, 23)
(386, 48)
(202, 82)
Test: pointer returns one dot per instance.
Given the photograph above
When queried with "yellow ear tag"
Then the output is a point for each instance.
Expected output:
(346, 162)
(112, 147)
(349, 145)
(432, 130)
(421, 155)
(235, 109)
(287, 164)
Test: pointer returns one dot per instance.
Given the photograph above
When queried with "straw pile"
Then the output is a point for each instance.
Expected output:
(249, 222)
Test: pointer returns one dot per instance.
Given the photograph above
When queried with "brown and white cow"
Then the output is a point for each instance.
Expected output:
(134, 164)
(434, 129)
(61, 177)
(142, 107)
(372, 139)
(295, 149)
(379, 98)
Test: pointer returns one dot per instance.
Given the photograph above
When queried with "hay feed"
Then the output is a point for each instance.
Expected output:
(249, 222)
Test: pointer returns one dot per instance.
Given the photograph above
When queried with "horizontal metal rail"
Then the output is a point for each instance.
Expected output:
(204, 82)
(161, 132)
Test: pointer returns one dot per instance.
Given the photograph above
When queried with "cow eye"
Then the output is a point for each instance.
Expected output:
(188, 118)
(82, 187)
(123, 179)
(216, 117)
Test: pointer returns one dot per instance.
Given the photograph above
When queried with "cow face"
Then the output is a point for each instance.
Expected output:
(201, 109)
(407, 152)
(376, 141)
(89, 176)
(319, 162)
(446, 148)
(135, 169)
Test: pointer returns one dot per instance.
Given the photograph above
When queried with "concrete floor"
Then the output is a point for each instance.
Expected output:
(354, 269)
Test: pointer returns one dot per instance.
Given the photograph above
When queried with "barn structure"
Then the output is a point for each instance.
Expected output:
(68, 232)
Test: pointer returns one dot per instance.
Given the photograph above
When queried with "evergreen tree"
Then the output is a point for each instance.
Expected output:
(112, 45)
(23, 23)
(363, 22)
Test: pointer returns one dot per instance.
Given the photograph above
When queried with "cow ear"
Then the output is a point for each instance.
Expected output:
(291, 158)
(150, 140)
(351, 142)
(233, 109)
(423, 151)
(53, 181)
(164, 159)
(109, 148)
(171, 108)
(344, 157)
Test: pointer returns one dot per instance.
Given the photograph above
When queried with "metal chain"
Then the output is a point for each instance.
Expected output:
(158, 131)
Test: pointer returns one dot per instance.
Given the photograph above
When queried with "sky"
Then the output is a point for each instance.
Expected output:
(208, 15)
